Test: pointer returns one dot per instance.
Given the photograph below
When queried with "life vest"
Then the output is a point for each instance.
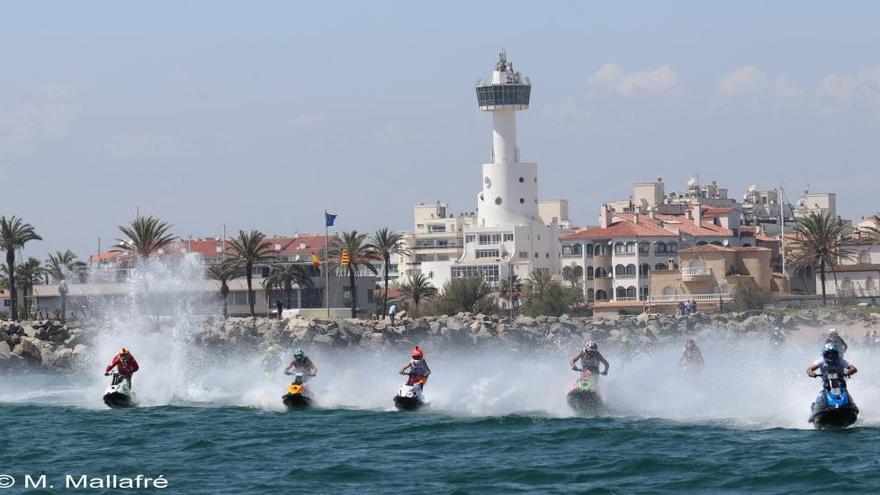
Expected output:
(590, 360)
(418, 367)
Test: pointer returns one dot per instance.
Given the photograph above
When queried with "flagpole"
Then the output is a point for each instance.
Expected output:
(327, 264)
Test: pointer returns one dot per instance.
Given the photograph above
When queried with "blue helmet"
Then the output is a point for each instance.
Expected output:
(830, 352)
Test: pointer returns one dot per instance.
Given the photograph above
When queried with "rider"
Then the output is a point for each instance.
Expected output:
(832, 362)
(691, 355)
(590, 359)
(418, 368)
(271, 360)
(125, 365)
(835, 338)
(301, 364)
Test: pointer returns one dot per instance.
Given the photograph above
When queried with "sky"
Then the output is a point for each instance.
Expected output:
(261, 115)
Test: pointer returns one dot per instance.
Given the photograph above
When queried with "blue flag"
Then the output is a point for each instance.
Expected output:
(329, 218)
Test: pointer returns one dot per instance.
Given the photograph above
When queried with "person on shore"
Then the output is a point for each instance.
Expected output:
(681, 308)
(301, 364)
(279, 306)
(392, 312)
(834, 338)
(590, 359)
(691, 359)
(831, 362)
(417, 368)
(125, 365)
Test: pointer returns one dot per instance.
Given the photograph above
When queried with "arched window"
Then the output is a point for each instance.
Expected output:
(619, 270)
(566, 250)
(659, 267)
(601, 295)
(601, 272)
(619, 292)
(630, 248)
(599, 250)
(577, 249)
(644, 248)
(619, 248)
(589, 272)
(672, 247)
(630, 269)
(660, 247)
(631, 292)
(590, 295)
(696, 263)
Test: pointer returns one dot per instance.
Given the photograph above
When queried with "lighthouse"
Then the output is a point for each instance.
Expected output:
(510, 188)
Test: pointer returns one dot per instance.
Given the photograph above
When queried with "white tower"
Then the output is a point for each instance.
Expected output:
(510, 188)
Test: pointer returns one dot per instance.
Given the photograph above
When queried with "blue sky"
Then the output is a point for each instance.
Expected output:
(263, 114)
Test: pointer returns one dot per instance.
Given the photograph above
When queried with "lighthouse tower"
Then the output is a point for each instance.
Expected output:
(510, 187)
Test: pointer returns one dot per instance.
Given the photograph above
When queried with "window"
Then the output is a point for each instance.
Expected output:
(601, 272)
(644, 248)
(630, 291)
(644, 268)
(601, 295)
(630, 248)
(589, 250)
(660, 247)
(589, 273)
(673, 247)
(489, 273)
(442, 243)
(536, 254)
(522, 201)
(523, 254)
(643, 293)
(630, 269)
(577, 249)
(619, 248)
(659, 267)
(468, 239)
(566, 250)
(619, 270)
(521, 180)
(498, 201)
(487, 253)
(590, 294)
(437, 228)
(620, 292)
(488, 182)
(488, 239)
(508, 237)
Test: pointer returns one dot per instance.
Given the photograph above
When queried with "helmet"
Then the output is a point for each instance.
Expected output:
(271, 348)
(832, 331)
(417, 352)
(298, 353)
(830, 352)
(123, 351)
(689, 342)
(592, 346)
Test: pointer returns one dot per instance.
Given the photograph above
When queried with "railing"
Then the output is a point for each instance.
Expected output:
(624, 255)
(626, 299)
(698, 298)
(572, 255)
(693, 272)
(624, 276)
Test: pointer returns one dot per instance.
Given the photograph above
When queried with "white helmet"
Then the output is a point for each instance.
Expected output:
(832, 331)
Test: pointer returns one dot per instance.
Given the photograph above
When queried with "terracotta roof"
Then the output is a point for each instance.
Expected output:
(858, 267)
(625, 225)
(714, 248)
(716, 212)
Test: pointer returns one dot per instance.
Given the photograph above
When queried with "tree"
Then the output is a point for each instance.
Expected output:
(63, 264)
(144, 235)
(248, 249)
(418, 289)
(819, 242)
(465, 295)
(510, 288)
(537, 284)
(223, 272)
(873, 230)
(748, 295)
(386, 243)
(548, 297)
(360, 255)
(14, 234)
(573, 274)
(30, 273)
(284, 277)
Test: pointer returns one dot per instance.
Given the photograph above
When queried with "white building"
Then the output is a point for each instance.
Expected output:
(512, 232)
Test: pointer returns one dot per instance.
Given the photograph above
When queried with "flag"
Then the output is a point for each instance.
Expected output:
(315, 260)
(329, 218)
(346, 257)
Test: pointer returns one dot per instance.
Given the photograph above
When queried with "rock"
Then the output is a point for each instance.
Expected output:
(5, 350)
(525, 321)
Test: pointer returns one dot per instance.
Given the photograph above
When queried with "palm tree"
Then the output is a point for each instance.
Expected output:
(509, 288)
(223, 272)
(144, 235)
(360, 255)
(537, 284)
(30, 273)
(874, 230)
(386, 243)
(14, 234)
(284, 277)
(64, 263)
(248, 249)
(819, 241)
(418, 289)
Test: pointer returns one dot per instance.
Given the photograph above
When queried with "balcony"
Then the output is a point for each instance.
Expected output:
(695, 273)
(698, 298)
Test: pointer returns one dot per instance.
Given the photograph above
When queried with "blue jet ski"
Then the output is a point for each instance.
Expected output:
(834, 408)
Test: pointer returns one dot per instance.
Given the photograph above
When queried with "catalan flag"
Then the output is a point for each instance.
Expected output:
(315, 260)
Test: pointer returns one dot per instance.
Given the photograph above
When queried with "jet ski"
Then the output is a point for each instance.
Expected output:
(583, 397)
(297, 396)
(118, 394)
(409, 397)
(833, 408)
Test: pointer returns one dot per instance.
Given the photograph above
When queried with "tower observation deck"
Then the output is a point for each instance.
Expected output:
(510, 188)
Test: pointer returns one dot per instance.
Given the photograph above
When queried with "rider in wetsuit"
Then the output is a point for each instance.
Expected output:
(590, 359)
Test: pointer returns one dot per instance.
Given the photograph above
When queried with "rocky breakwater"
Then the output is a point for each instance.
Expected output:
(48, 345)
(521, 334)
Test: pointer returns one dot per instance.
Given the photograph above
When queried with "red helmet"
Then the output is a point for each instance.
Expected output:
(416, 352)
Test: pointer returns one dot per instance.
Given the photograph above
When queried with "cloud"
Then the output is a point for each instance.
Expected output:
(44, 115)
(846, 87)
(751, 81)
(611, 77)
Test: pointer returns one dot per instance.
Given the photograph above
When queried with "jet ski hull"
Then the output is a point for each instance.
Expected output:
(833, 412)
(296, 401)
(407, 403)
(117, 400)
(584, 402)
